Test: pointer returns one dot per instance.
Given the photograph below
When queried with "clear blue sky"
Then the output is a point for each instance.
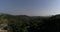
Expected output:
(30, 7)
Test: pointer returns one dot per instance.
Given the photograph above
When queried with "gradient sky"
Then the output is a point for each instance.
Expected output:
(30, 7)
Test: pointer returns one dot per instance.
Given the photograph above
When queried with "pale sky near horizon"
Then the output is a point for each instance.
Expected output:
(30, 7)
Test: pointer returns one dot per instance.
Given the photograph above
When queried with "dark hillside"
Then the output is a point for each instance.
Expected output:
(24, 23)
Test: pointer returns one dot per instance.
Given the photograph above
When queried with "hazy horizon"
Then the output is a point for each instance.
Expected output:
(30, 7)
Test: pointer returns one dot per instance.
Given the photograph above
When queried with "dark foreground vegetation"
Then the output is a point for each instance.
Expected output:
(23, 23)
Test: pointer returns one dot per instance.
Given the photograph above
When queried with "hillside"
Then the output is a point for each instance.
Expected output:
(24, 23)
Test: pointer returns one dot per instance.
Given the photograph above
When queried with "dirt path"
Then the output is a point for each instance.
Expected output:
(3, 30)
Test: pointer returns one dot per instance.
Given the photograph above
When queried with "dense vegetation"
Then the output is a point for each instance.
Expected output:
(23, 23)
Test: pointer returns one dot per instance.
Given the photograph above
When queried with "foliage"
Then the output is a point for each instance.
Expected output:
(23, 23)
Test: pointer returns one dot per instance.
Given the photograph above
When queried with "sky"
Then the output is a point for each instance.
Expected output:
(30, 7)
